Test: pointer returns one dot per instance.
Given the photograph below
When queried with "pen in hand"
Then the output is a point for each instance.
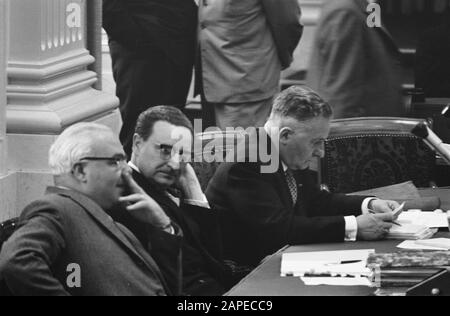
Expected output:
(393, 222)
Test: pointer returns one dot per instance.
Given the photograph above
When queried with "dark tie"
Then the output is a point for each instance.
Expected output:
(292, 184)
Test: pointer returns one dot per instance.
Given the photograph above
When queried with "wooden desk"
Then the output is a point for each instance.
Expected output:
(265, 280)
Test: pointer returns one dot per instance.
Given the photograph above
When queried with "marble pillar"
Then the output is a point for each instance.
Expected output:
(3, 79)
(50, 81)
(50, 86)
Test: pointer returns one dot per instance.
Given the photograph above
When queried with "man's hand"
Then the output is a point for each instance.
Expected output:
(374, 226)
(189, 184)
(143, 207)
(383, 206)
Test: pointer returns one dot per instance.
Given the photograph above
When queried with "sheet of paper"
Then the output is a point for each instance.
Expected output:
(336, 281)
(412, 245)
(429, 219)
(443, 243)
(326, 262)
(402, 191)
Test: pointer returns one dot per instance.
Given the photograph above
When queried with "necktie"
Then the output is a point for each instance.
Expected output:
(292, 184)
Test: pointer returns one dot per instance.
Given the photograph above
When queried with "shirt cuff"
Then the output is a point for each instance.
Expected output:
(351, 228)
(200, 203)
(365, 205)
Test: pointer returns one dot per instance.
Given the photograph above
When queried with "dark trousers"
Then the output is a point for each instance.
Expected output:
(144, 79)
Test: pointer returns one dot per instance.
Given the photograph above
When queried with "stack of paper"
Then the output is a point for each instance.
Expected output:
(326, 263)
(410, 232)
(429, 219)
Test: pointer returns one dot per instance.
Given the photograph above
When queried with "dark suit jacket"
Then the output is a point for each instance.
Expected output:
(169, 25)
(66, 227)
(433, 62)
(257, 216)
(354, 67)
(203, 271)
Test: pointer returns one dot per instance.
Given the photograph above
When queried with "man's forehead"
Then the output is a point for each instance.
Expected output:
(317, 125)
(164, 132)
(107, 144)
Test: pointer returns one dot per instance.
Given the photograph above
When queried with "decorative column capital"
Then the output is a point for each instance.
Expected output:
(50, 86)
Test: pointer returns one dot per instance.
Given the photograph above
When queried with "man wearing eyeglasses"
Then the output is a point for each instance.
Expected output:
(161, 145)
(68, 244)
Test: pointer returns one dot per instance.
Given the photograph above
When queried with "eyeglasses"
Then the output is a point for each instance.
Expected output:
(116, 160)
(166, 152)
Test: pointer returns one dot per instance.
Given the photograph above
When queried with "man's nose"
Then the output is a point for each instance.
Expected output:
(174, 162)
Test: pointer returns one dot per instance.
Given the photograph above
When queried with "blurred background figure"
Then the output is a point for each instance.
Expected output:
(152, 44)
(356, 68)
(244, 45)
(433, 60)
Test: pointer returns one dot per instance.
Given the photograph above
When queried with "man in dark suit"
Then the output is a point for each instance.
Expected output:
(66, 242)
(262, 210)
(353, 66)
(432, 70)
(162, 143)
(152, 44)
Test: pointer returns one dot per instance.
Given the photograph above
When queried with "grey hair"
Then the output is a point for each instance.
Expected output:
(73, 144)
(301, 103)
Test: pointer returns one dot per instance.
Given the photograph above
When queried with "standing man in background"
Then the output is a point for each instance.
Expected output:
(152, 44)
(432, 69)
(244, 45)
(353, 66)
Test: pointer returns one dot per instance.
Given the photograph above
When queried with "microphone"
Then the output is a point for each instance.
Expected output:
(446, 111)
(432, 140)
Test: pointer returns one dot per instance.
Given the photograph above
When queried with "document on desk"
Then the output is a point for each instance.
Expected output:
(438, 244)
(326, 263)
(429, 219)
(359, 281)
(401, 191)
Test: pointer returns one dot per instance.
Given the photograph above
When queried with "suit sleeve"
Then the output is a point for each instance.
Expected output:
(322, 203)
(207, 221)
(257, 203)
(165, 248)
(431, 74)
(284, 21)
(342, 56)
(27, 257)
(119, 24)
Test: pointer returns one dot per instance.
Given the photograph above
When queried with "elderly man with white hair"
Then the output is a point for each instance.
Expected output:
(68, 244)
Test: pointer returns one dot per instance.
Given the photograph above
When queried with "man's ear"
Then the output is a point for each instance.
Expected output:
(285, 135)
(79, 173)
(137, 142)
